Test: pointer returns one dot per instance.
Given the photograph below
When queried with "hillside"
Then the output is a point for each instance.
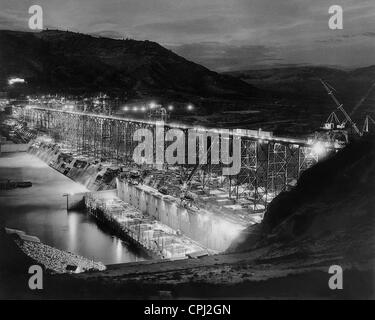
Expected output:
(301, 81)
(305, 103)
(61, 61)
(329, 216)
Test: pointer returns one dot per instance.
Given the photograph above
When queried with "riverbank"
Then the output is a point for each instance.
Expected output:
(52, 259)
(242, 275)
(41, 211)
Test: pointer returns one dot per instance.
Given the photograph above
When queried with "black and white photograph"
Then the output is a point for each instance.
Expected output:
(175, 151)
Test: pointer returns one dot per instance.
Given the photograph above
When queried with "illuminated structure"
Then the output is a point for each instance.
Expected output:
(158, 112)
(269, 164)
(13, 81)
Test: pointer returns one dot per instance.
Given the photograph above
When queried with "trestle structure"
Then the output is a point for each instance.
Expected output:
(269, 165)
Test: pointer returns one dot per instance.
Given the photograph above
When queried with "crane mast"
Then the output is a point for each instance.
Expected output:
(340, 107)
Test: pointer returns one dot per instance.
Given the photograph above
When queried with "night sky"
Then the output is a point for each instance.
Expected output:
(220, 34)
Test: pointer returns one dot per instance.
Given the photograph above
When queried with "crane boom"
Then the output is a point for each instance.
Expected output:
(360, 102)
(340, 106)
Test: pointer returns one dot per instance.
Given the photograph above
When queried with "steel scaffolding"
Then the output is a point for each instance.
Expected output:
(268, 165)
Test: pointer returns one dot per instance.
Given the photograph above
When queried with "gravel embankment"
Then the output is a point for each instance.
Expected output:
(57, 260)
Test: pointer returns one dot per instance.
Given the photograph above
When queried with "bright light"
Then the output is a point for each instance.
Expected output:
(15, 80)
(143, 109)
(170, 108)
(318, 149)
(126, 108)
(152, 105)
(135, 109)
(190, 107)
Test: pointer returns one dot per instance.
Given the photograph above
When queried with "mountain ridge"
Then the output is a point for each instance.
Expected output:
(53, 60)
(302, 80)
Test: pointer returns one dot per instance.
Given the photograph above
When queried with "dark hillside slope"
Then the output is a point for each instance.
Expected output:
(71, 62)
(302, 81)
(328, 217)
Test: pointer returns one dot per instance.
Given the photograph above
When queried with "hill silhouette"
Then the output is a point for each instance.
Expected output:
(63, 61)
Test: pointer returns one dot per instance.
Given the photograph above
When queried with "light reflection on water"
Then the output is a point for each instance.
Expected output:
(41, 211)
(72, 222)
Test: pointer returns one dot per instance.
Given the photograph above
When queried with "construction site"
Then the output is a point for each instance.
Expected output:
(176, 210)
(194, 219)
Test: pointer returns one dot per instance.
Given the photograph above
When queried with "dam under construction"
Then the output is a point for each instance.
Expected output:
(189, 150)
(168, 210)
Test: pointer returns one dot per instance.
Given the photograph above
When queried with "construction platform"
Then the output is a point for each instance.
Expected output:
(156, 239)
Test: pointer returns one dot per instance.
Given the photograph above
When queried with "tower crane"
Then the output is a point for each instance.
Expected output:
(340, 107)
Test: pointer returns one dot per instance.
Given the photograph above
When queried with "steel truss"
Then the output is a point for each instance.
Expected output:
(268, 167)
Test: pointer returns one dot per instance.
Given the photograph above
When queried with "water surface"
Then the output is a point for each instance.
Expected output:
(41, 211)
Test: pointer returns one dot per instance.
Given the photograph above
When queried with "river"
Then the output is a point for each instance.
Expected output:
(41, 211)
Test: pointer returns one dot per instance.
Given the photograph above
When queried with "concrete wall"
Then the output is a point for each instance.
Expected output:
(208, 229)
(85, 176)
(76, 201)
(106, 194)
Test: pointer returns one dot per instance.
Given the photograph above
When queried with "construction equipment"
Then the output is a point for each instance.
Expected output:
(186, 183)
(340, 107)
(368, 119)
(360, 102)
(186, 196)
(158, 112)
(333, 122)
(365, 128)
